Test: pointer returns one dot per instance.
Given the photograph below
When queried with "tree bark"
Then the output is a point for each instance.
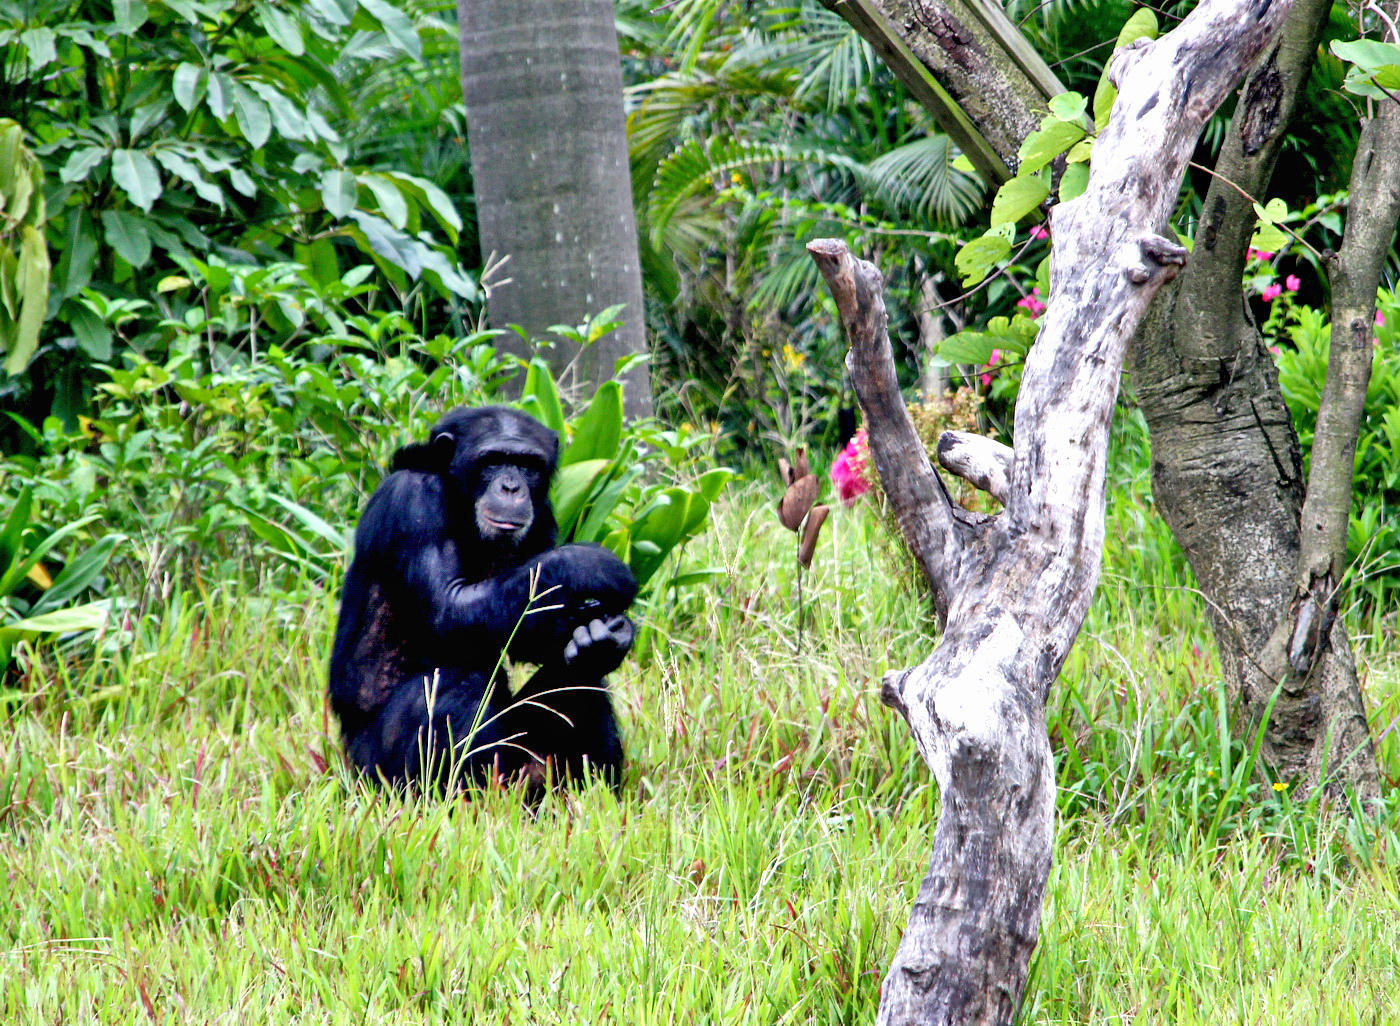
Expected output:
(967, 64)
(1227, 473)
(542, 81)
(1013, 589)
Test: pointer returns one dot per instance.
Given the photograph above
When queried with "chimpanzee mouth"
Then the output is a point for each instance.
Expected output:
(504, 526)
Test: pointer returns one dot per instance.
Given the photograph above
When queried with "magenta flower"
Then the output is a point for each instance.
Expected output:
(1259, 254)
(1380, 318)
(848, 470)
(1292, 282)
(1032, 303)
(992, 361)
(1039, 232)
(1272, 292)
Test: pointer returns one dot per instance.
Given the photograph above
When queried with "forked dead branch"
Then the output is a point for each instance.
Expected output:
(1012, 590)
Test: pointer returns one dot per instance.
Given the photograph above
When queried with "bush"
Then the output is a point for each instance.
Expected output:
(232, 458)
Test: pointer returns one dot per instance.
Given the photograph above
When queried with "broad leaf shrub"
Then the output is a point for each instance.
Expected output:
(42, 573)
(171, 131)
(230, 457)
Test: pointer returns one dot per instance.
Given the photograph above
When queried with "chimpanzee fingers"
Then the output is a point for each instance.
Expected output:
(571, 652)
(621, 630)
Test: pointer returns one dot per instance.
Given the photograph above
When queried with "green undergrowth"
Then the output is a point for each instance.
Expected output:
(181, 844)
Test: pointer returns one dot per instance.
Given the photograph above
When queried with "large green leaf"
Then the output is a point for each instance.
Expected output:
(599, 430)
(391, 201)
(136, 173)
(1018, 197)
(339, 191)
(61, 621)
(282, 28)
(571, 489)
(12, 532)
(187, 85)
(1045, 145)
(20, 568)
(397, 26)
(252, 115)
(189, 171)
(540, 387)
(126, 233)
(78, 574)
(976, 259)
(81, 162)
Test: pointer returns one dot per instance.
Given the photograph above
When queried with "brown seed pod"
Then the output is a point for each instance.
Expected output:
(797, 500)
(801, 467)
(809, 535)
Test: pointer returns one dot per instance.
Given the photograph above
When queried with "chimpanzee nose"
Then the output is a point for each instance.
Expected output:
(510, 487)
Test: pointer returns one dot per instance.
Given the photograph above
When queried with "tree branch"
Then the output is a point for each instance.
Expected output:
(915, 494)
(982, 462)
(1373, 212)
(1015, 590)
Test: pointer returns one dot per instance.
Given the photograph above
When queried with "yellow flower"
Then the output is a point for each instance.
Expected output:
(736, 178)
(1280, 787)
(792, 357)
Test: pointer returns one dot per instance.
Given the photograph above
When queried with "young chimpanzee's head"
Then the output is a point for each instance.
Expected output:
(497, 464)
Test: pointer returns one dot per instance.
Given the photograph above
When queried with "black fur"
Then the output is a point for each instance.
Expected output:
(448, 555)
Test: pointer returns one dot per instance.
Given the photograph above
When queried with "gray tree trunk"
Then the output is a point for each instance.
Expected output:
(1227, 474)
(542, 81)
(1012, 589)
(1227, 471)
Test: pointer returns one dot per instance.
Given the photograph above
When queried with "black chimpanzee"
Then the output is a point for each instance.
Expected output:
(455, 566)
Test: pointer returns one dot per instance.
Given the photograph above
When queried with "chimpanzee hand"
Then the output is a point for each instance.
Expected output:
(598, 647)
(578, 575)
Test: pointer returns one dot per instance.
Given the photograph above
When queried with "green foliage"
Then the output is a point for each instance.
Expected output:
(239, 453)
(24, 257)
(174, 132)
(35, 602)
(754, 129)
(1374, 70)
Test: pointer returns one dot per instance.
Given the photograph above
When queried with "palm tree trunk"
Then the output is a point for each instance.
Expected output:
(542, 82)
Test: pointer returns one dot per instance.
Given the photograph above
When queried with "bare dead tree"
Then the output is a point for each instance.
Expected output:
(1012, 590)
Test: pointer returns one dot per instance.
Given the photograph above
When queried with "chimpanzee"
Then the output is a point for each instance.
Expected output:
(455, 568)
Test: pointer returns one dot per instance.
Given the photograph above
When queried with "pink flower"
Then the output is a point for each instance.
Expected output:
(992, 361)
(1272, 292)
(1039, 232)
(1032, 303)
(1276, 350)
(1259, 254)
(848, 469)
(1292, 282)
(1380, 318)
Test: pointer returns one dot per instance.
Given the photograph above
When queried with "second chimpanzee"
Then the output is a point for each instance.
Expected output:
(455, 568)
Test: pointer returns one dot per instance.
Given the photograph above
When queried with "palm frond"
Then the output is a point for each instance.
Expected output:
(917, 181)
(700, 164)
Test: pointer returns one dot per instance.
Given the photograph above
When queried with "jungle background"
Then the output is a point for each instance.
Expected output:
(265, 277)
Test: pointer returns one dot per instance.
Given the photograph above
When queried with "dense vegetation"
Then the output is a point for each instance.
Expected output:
(265, 279)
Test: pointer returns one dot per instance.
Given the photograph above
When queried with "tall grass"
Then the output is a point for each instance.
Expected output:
(181, 843)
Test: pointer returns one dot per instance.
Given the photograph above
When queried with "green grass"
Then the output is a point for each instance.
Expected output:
(181, 845)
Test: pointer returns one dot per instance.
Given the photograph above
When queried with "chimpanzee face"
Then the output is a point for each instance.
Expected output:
(504, 504)
(496, 464)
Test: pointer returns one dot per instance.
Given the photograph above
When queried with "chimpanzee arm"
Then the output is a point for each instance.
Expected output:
(534, 606)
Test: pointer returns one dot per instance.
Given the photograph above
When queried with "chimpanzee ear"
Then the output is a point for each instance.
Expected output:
(433, 457)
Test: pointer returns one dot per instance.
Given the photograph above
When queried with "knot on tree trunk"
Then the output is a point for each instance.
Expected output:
(1161, 260)
(892, 691)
